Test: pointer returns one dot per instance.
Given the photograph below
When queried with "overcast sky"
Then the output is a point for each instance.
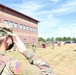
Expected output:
(57, 17)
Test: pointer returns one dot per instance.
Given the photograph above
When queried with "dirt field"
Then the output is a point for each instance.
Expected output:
(62, 59)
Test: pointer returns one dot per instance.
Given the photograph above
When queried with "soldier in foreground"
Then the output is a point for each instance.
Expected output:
(10, 66)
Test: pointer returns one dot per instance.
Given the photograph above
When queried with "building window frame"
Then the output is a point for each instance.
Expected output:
(27, 27)
(33, 29)
(30, 28)
(11, 23)
(21, 26)
(15, 25)
(5, 21)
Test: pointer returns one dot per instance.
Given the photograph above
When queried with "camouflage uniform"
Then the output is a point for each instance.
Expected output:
(34, 47)
(8, 66)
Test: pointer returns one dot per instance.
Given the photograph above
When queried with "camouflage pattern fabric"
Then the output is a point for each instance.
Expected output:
(45, 69)
(38, 67)
(11, 65)
(6, 30)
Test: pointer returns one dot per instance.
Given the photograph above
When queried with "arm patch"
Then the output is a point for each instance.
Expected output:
(17, 68)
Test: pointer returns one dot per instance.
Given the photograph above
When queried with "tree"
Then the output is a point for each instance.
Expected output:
(64, 39)
(73, 39)
(58, 39)
(68, 38)
(48, 39)
(41, 39)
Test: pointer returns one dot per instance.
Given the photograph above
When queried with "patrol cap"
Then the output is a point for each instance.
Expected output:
(6, 30)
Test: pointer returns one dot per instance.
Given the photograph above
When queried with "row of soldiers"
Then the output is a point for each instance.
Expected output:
(35, 45)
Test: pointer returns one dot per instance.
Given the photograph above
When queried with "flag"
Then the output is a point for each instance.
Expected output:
(17, 68)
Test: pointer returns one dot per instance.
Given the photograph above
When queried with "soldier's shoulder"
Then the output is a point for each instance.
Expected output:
(4, 58)
(15, 66)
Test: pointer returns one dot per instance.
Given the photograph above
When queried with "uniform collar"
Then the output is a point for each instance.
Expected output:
(2, 53)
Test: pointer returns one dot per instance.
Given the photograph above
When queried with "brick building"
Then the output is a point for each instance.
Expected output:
(23, 25)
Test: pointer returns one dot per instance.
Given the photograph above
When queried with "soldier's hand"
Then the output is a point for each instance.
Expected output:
(20, 45)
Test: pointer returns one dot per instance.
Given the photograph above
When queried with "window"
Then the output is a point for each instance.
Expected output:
(21, 26)
(27, 27)
(24, 27)
(11, 23)
(31, 29)
(34, 29)
(5, 21)
(15, 25)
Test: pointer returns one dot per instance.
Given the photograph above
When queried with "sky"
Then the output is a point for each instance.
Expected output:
(57, 17)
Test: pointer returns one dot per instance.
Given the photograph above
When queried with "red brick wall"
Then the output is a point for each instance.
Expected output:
(6, 14)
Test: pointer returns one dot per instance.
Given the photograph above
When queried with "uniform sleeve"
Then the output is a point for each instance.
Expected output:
(15, 66)
(39, 62)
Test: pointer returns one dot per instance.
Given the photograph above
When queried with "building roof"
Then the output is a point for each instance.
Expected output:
(18, 12)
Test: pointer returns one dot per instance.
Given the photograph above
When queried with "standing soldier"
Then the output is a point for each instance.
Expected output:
(34, 47)
(52, 43)
(10, 66)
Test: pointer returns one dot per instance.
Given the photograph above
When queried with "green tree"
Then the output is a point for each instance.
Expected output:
(64, 39)
(68, 38)
(48, 39)
(58, 39)
(41, 39)
(73, 39)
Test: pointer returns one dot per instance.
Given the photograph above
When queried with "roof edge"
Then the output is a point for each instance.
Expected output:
(19, 12)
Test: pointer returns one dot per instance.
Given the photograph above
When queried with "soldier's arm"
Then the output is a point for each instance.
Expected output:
(33, 58)
(39, 62)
